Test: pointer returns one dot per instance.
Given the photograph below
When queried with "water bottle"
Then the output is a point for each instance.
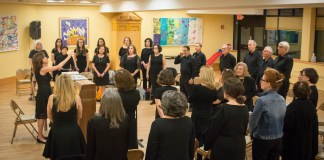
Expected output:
(313, 58)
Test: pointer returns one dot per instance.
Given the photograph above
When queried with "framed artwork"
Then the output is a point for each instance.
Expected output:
(72, 29)
(8, 33)
(177, 31)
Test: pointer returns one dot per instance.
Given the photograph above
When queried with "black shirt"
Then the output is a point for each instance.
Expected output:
(158, 95)
(284, 65)
(69, 64)
(56, 54)
(122, 51)
(263, 65)
(252, 60)
(200, 59)
(188, 66)
(145, 55)
(131, 63)
(33, 52)
(227, 61)
(313, 97)
(249, 91)
(171, 139)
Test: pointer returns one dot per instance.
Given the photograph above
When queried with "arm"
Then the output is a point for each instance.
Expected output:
(45, 70)
(138, 65)
(95, 69)
(158, 108)
(106, 69)
(148, 68)
(214, 129)
(74, 60)
(49, 108)
(91, 140)
(288, 67)
(53, 58)
(233, 62)
(194, 70)
(87, 56)
(79, 107)
(256, 116)
(153, 142)
(164, 62)
(177, 59)
(203, 59)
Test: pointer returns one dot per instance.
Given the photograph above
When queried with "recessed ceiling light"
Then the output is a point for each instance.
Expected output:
(85, 2)
(50, 1)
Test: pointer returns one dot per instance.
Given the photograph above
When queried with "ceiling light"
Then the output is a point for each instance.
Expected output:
(50, 1)
(85, 2)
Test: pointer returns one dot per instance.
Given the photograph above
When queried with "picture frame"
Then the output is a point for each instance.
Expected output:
(72, 29)
(8, 33)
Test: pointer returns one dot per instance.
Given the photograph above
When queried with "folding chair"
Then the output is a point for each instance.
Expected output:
(22, 78)
(135, 154)
(22, 119)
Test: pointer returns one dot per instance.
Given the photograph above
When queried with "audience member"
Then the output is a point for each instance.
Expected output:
(131, 62)
(253, 59)
(267, 119)
(55, 53)
(101, 42)
(124, 49)
(145, 55)
(81, 57)
(227, 60)
(265, 63)
(199, 56)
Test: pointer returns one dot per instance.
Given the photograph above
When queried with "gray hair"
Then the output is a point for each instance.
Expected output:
(284, 44)
(253, 42)
(36, 42)
(111, 108)
(269, 48)
(174, 103)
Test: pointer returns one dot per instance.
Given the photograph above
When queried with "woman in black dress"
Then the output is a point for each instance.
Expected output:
(130, 97)
(100, 65)
(81, 57)
(226, 132)
(145, 55)
(155, 64)
(166, 80)
(69, 65)
(226, 73)
(131, 62)
(101, 42)
(172, 137)
(108, 132)
(124, 48)
(65, 139)
(310, 76)
(43, 78)
(201, 100)
(55, 53)
(242, 72)
(299, 125)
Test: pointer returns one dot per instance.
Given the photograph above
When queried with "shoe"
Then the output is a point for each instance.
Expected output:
(152, 103)
(31, 98)
(39, 141)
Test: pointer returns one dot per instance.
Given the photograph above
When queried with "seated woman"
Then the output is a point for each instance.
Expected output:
(225, 135)
(266, 121)
(108, 133)
(166, 80)
(130, 96)
(65, 139)
(173, 136)
(299, 125)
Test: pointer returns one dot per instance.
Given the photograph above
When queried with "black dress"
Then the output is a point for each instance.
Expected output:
(43, 92)
(201, 101)
(226, 133)
(156, 66)
(131, 64)
(122, 52)
(145, 55)
(101, 65)
(107, 143)
(171, 139)
(130, 101)
(68, 66)
(313, 97)
(158, 95)
(56, 54)
(65, 139)
(81, 60)
(298, 130)
(249, 91)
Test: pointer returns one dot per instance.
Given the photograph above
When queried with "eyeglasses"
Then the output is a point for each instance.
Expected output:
(301, 73)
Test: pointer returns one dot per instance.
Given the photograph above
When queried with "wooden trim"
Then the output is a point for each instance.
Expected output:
(9, 80)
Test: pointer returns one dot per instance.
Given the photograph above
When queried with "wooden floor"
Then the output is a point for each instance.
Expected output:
(25, 147)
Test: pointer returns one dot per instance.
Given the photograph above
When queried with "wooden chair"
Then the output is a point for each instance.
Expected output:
(88, 75)
(248, 145)
(203, 153)
(22, 78)
(135, 154)
(22, 119)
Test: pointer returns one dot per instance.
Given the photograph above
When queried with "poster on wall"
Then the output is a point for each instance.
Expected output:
(177, 31)
(72, 29)
(8, 33)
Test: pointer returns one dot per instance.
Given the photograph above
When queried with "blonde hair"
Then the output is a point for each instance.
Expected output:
(208, 77)
(111, 108)
(245, 67)
(64, 92)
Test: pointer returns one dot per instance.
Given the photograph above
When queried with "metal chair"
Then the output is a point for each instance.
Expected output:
(22, 78)
(22, 119)
(135, 154)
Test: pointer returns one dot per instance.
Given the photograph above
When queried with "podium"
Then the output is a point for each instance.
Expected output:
(87, 92)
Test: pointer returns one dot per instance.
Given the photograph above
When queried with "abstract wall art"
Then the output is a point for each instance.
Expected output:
(72, 29)
(8, 33)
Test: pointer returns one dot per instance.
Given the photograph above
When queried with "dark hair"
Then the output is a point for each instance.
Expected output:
(124, 80)
(188, 48)
(78, 47)
(234, 87)
(199, 44)
(130, 41)
(174, 103)
(148, 39)
(103, 42)
(274, 78)
(158, 46)
(37, 61)
(59, 39)
(166, 77)
(65, 47)
(301, 89)
(133, 47)
(311, 73)
(227, 73)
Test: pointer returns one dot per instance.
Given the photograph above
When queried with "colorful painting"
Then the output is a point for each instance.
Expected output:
(177, 31)
(8, 33)
(72, 29)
